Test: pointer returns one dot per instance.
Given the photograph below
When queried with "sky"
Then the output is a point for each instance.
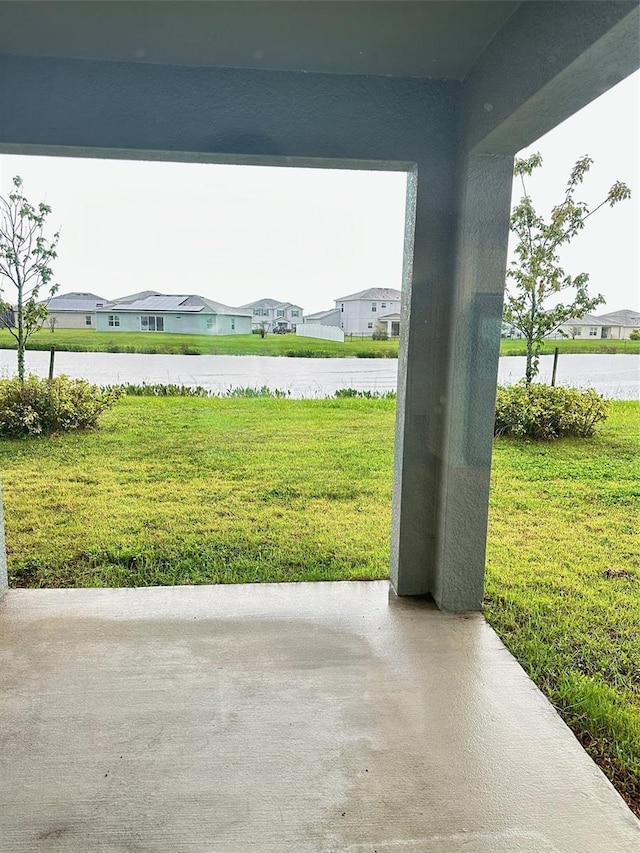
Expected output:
(309, 236)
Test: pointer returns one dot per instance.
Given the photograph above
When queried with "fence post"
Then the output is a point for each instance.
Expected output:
(52, 356)
(555, 366)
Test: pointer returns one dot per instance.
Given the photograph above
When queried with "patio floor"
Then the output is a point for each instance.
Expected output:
(281, 717)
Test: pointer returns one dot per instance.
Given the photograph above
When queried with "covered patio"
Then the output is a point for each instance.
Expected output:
(324, 717)
(282, 717)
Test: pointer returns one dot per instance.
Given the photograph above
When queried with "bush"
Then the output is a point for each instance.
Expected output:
(635, 335)
(380, 333)
(542, 412)
(40, 407)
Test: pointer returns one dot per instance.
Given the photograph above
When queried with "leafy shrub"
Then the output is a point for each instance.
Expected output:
(635, 335)
(41, 407)
(156, 389)
(341, 393)
(541, 411)
(264, 391)
(380, 333)
(307, 353)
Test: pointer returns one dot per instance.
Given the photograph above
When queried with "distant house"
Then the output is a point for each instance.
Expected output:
(271, 314)
(619, 324)
(74, 310)
(361, 312)
(182, 314)
(588, 326)
(7, 316)
(324, 318)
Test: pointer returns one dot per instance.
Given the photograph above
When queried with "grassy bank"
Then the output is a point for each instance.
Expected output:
(591, 345)
(189, 490)
(87, 340)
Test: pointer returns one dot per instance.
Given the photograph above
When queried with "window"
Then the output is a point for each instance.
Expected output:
(295, 313)
(280, 313)
(593, 331)
(114, 320)
(233, 324)
(152, 324)
(87, 320)
(342, 306)
(374, 306)
(257, 312)
(383, 304)
(369, 325)
(209, 322)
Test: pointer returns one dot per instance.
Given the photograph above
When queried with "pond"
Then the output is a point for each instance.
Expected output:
(615, 376)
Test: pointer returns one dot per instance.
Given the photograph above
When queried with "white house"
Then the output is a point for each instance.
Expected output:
(588, 326)
(182, 314)
(74, 310)
(361, 312)
(271, 314)
(619, 324)
(324, 318)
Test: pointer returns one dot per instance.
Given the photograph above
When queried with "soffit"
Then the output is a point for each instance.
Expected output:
(402, 38)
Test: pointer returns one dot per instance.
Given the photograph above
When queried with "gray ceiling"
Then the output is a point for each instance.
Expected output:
(403, 38)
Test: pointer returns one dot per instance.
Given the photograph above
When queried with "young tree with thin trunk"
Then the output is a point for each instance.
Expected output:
(536, 275)
(25, 263)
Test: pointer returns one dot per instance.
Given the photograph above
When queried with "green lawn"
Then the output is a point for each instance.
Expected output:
(88, 340)
(189, 490)
(586, 345)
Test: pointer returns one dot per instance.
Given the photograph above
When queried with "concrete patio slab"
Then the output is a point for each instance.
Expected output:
(284, 717)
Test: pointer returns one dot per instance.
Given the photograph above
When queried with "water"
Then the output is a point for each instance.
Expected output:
(615, 376)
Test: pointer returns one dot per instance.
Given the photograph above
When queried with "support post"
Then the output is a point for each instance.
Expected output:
(446, 394)
(4, 578)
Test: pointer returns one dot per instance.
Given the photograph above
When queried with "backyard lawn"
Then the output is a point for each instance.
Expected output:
(88, 340)
(189, 490)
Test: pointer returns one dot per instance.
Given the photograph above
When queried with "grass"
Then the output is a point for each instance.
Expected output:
(88, 340)
(587, 345)
(194, 490)
(563, 581)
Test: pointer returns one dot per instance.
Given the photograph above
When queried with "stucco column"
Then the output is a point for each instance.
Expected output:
(446, 394)
(4, 580)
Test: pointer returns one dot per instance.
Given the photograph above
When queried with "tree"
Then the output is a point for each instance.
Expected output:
(52, 322)
(536, 273)
(25, 262)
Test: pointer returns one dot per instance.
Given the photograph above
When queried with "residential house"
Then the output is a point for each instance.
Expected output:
(620, 324)
(324, 318)
(270, 314)
(361, 312)
(617, 325)
(588, 326)
(182, 314)
(75, 310)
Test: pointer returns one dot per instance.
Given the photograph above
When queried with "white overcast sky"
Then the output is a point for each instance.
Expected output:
(308, 236)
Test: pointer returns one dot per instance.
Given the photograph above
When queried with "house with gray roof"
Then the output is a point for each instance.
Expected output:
(620, 324)
(75, 310)
(187, 314)
(361, 312)
(616, 325)
(271, 314)
(323, 318)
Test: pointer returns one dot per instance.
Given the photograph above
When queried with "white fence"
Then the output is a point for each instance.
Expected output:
(327, 333)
